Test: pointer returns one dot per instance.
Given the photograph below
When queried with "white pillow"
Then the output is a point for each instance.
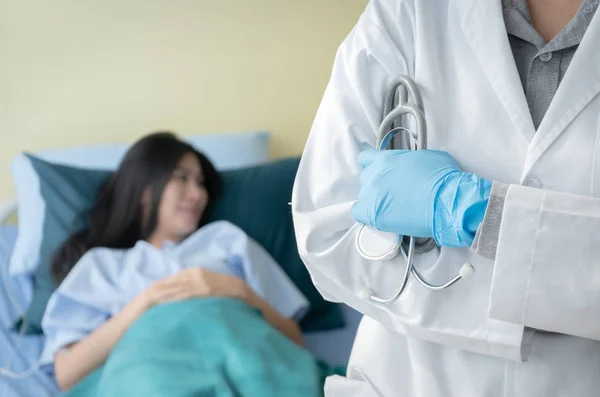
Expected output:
(226, 151)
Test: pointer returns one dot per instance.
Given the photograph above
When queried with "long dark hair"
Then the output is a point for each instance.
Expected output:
(117, 221)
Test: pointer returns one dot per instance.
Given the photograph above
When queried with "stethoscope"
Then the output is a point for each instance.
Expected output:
(376, 245)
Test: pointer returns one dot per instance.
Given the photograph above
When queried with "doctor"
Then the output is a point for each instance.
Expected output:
(511, 185)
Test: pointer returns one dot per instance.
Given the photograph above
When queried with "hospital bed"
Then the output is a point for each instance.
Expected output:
(20, 352)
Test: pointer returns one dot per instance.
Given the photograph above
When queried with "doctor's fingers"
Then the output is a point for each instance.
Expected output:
(371, 189)
(371, 174)
(362, 212)
(374, 180)
(366, 156)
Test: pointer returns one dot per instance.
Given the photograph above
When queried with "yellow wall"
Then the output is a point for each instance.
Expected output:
(81, 71)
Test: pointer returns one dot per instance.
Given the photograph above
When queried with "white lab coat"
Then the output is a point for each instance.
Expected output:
(527, 324)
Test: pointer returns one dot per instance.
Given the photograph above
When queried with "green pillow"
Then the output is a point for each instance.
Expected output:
(254, 198)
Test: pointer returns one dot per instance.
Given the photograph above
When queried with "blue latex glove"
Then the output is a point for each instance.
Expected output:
(421, 194)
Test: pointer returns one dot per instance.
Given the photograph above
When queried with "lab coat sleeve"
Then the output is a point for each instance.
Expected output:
(547, 266)
(327, 182)
(378, 49)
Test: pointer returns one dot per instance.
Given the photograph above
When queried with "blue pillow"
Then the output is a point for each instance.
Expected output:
(67, 192)
(255, 198)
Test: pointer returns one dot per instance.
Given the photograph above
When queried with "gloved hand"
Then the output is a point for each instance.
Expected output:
(421, 194)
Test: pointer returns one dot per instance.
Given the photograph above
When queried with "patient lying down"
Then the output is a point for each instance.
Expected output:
(146, 248)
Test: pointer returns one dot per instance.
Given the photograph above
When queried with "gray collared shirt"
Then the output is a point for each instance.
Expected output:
(541, 67)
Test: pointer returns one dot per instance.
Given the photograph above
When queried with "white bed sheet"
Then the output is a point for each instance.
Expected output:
(333, 347)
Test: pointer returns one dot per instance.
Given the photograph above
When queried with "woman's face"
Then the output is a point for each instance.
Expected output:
(183, 201)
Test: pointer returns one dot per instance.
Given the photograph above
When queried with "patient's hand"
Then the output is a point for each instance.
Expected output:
(194, 283)
(198, 282)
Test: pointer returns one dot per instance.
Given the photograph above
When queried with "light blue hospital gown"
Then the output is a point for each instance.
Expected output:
(105, 280)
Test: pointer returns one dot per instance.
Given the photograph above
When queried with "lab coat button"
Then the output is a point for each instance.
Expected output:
(533, 181)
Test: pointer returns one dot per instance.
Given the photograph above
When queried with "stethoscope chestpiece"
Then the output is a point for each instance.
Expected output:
(376, 245)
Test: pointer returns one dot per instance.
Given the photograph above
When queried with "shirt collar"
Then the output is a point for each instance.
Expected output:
(518, 23)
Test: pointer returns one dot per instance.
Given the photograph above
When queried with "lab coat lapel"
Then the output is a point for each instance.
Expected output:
(580, 84)
(483, 25)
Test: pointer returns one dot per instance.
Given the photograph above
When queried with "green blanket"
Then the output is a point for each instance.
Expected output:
(205, 347)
